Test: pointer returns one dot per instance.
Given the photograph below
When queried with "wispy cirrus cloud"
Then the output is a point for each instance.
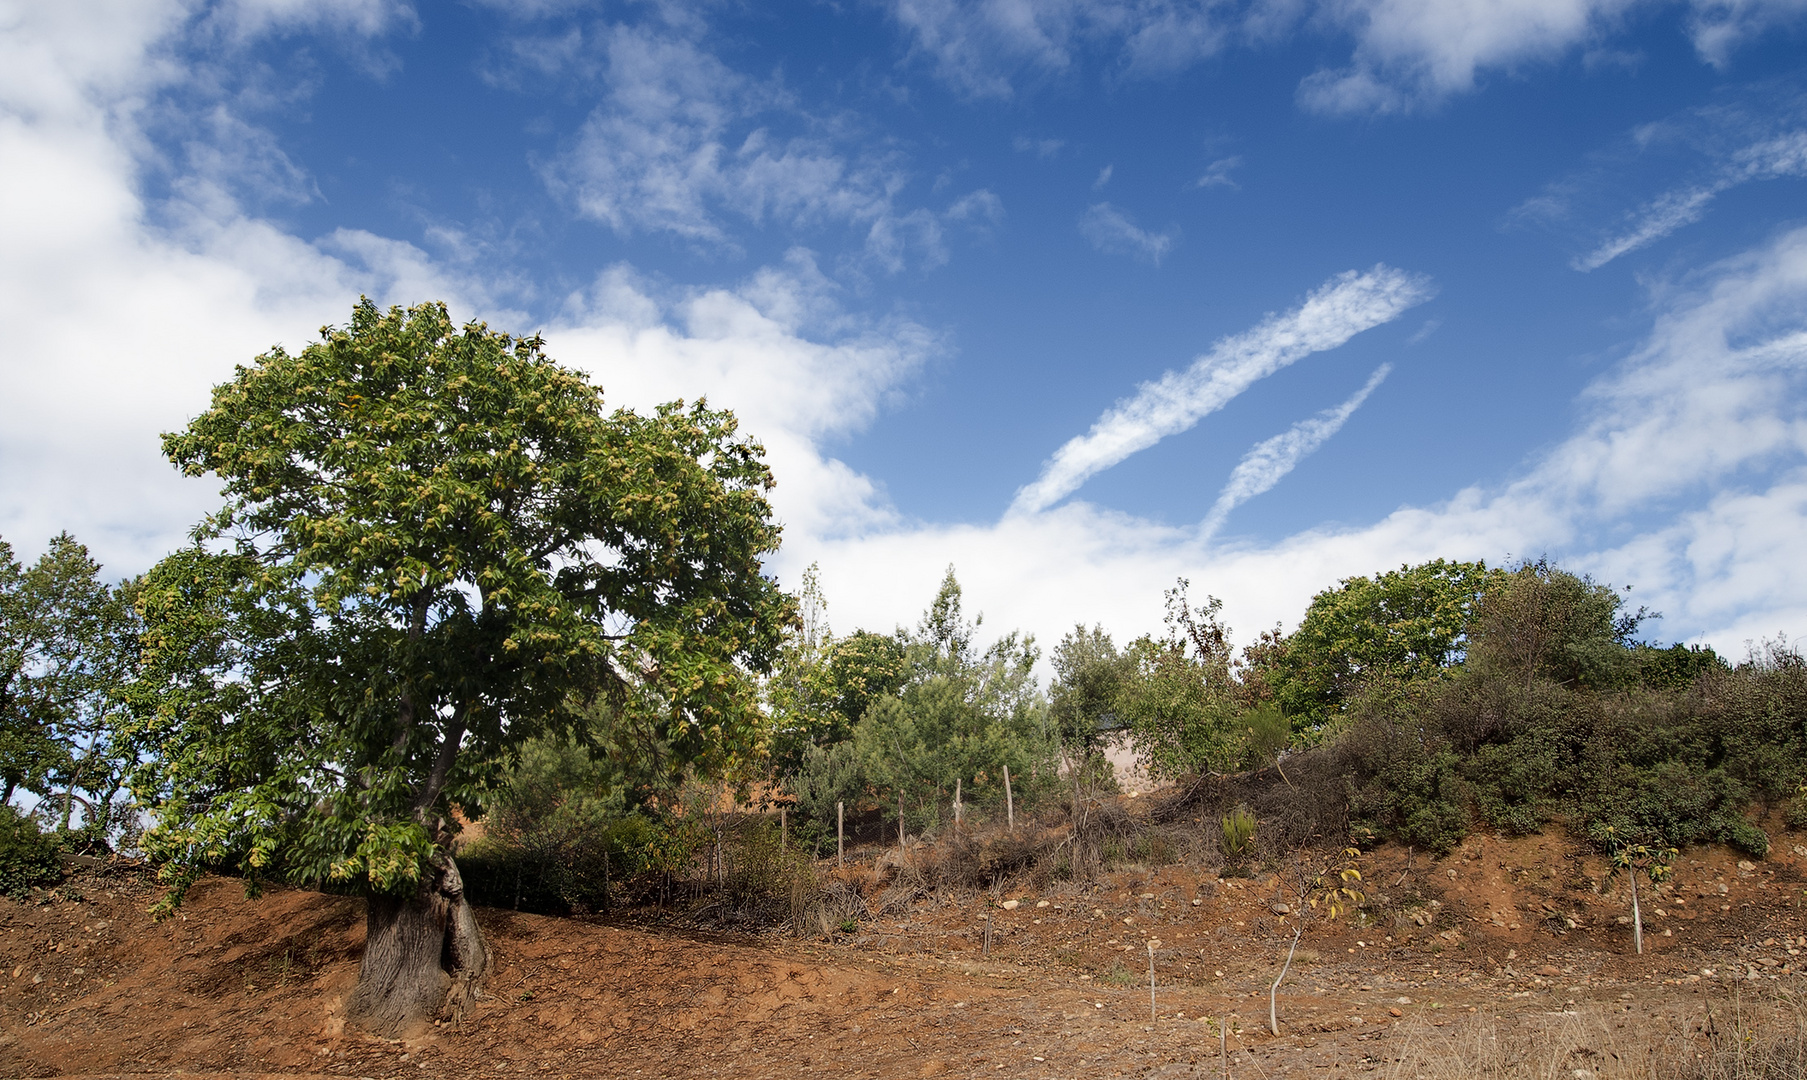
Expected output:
(685, 145)
(1407, 54)
(1112, 231)
(1720, 27)
(985, 48)
(1268, 461)
(1217, 174)
(1338, 310)
(1782, 155)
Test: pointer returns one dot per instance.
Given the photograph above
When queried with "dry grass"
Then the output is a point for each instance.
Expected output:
(1747, 1039)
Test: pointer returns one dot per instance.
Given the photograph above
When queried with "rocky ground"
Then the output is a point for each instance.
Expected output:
(1511, 948)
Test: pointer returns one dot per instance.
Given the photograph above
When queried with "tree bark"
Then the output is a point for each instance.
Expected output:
(423, 956)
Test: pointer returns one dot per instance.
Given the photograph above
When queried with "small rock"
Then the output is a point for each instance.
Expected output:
(1746, 865)
(1041, 903)
(1549, 971)
(1283, 909)
(1197, 903)
(1394, 1012)
(1010, 905)
(1147, 896)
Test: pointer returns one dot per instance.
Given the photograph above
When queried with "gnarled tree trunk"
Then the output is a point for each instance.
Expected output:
(423, 956)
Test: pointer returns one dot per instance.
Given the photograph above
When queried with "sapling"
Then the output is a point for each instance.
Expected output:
(1323, 889)
(1655, 863)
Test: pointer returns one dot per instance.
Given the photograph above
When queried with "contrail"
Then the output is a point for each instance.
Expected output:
(1341, 308)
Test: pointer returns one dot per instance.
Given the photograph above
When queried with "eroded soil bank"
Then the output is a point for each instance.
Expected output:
(1507, 947)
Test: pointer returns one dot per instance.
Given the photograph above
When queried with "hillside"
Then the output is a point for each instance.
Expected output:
(91, 986)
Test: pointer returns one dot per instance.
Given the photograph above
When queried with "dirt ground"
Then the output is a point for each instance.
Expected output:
(1516, 940)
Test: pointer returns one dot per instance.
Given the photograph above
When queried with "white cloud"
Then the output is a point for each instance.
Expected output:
(1782, 155)
(1341, 308)
(1104, 177)
(1217, 174)
(1685, 476)
(1041, 148)
(1110, 230)
(1412, 51)
(984, 48)
(246, 19)
(1720, 27)
(778, 350)
(1408, 54)
(678, 147)
(120, 315)
(1268, 461)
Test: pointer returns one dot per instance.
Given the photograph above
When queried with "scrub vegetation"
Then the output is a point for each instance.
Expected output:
(460, 635)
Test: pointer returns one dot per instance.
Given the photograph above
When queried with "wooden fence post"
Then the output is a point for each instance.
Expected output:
(840, 832)
(956, 806)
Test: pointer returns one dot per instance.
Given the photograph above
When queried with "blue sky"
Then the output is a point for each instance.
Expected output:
(1078, 296)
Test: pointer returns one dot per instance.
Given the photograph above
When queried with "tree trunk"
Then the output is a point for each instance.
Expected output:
(423, 956)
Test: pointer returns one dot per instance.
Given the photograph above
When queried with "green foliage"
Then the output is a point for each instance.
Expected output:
(1268, 732)
(1546, 722)
(1179, 695)
(1403, 625)
(1676, 667)
(68, 642)
(567, 823)
(957, 714)
(1089, 678)
(826, 775)
(28, 858)
(435, 546)
(823, 685)
(1542, 622)
(1238, 838)
(1412, 790)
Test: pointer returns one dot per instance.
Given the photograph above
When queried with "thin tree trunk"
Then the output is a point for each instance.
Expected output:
(1009, 802)
(423, 956)
(1637, 914)
(1273, 994)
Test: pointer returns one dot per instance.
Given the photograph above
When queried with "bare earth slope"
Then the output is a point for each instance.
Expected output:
(1505, 939)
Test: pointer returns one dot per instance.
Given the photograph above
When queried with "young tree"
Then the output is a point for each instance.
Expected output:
(1180, 696)
(435, 546)
(1405, 624)
(961, 714)
(822, 685)
(1083, 703)
(68, 642)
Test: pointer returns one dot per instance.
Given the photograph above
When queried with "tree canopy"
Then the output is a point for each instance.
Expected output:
(435, 545)
(1403, 624)
(68, 641)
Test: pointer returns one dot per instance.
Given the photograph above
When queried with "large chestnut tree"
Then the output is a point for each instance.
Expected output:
(435, 545)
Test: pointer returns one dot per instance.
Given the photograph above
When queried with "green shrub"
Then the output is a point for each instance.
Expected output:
(28, 858)
(1238, 838)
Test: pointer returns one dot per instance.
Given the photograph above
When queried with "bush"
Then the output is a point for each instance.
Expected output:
(28, 858)
(1238, 833)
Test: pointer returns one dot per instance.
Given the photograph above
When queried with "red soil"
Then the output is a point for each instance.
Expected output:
(1517, 930)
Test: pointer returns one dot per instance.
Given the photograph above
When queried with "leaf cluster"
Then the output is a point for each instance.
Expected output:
(436, 545)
